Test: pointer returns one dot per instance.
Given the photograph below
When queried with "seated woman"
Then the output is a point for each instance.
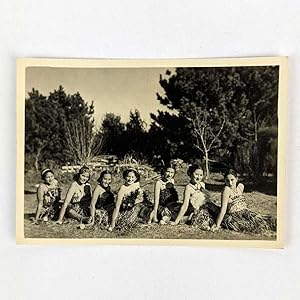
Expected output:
(165, 197)
(195, 204)
(234, 213)
(131, 199)
(78, 198)
(103, 201)
(49, 197)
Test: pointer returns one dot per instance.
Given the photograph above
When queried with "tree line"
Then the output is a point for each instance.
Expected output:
(224, 114)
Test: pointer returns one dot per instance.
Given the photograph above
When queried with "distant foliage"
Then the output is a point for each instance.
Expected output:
(267, 150)
(82, 142)
(46, 120)
(125, 138)
(221, 111)
(169, 137)
(225, 115)
(114, 135)
(136, 135)
(38, 127)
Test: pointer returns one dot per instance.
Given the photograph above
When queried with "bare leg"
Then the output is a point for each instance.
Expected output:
(75, 215)
(151, 218)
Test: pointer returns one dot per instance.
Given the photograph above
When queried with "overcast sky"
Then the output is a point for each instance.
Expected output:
(116, 90)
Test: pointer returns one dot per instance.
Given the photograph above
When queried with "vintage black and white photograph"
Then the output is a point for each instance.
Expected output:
(175, 151)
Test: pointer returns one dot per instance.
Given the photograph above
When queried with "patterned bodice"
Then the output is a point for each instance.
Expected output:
(51, 194)
(106, 198)
(82, 193)
(132, 194)
(168, 193)
(236, 202)
(197, 198)
(166, 184)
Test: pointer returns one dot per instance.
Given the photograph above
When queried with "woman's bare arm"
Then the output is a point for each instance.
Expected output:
(95, 197)
(241, 187)
(157, 189)
(40, 196)
(67, 201)
(117, 208)
(224, 204)
(185, 204)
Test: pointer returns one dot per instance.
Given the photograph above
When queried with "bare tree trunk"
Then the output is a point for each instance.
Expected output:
(206, 165)
(37, 158)
(255, 127)
(36, 163)
(206, 139)
(254, 148)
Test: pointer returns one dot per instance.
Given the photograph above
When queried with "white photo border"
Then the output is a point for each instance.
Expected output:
(281, 61)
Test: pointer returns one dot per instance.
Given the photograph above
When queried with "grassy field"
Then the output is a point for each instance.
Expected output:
(259, 198)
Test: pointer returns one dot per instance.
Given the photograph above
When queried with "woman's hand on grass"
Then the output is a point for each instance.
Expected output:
(214, 228)
(34, 221)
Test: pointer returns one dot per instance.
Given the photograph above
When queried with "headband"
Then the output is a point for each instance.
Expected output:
(46, 171)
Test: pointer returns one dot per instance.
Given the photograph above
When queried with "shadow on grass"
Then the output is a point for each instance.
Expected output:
(265, 187)
(26, 192)
(28, 216)
(217, 188)
(269, 188)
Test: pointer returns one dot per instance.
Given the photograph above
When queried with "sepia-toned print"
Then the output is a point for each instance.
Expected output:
(167, 152)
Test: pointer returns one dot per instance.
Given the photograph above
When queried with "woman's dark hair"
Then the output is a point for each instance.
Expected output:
(193, 168)
(167, 166)
(136, 173)
(82, 170)
(105, 172)
(231, 172)
(45, 172)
